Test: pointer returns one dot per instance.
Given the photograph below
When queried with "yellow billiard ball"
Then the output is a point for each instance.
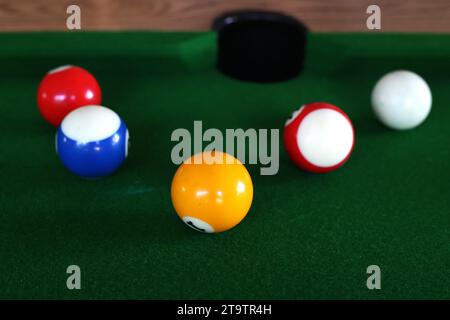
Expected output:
(212, 191)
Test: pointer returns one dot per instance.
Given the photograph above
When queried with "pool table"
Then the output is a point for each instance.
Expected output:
(307, 236)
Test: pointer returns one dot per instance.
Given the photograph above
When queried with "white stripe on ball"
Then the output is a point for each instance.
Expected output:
(90, 123)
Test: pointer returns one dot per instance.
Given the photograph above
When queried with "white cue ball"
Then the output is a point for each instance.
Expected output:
(401, 100)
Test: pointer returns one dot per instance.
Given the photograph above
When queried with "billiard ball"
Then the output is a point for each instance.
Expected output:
(64, 89)
(401, 100)
(319, 137)
(212, 191)
(92, 141)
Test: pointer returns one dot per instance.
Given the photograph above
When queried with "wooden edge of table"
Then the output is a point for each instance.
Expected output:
(326, 15)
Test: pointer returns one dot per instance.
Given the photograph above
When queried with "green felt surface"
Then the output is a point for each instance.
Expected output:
(307, 236)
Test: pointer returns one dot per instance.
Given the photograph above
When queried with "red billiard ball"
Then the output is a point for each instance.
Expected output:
(319, 137)
(65, 89)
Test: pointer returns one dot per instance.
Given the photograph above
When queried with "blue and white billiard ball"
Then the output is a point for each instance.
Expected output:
(92, 141)
(401, 100)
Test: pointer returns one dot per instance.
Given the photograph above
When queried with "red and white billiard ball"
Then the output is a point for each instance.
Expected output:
(319, 137)
(65, 89)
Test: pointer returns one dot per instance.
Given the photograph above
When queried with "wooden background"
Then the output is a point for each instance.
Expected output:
(325, 15)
